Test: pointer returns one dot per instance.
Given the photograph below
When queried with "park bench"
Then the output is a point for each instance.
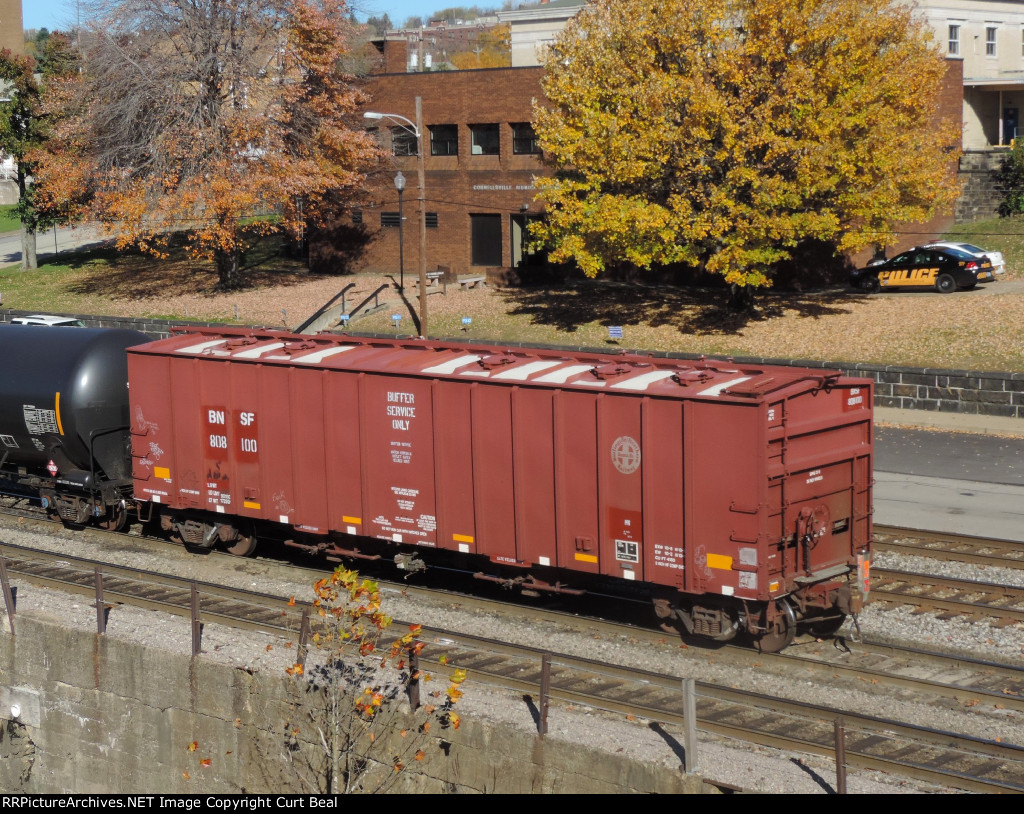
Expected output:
(467, 281)
(436, 280)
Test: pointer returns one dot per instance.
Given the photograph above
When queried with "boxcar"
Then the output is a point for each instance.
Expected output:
(734, 497)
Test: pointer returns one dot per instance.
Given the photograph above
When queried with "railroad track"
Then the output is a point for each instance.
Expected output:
(999, 604)
(871, 743)
(951, 547)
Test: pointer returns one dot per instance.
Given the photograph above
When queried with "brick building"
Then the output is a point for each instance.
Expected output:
(480, 161)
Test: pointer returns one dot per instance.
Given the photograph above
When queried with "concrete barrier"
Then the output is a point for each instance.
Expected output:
(114, 716)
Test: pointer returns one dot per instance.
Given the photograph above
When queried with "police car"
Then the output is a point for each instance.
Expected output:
(944, 270)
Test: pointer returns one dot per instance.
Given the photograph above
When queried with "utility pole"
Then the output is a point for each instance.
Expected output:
(421, 169)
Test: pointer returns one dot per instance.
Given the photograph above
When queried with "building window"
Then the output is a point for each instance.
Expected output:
(444, 139)
(403, 142)
(391, 219)
(486, 139)
(954, 40)
(357, 216)
(524, 139)
(990, 41)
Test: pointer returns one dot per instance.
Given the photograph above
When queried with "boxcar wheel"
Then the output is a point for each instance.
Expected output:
(243, 545)
(945, 284)
(782, 632)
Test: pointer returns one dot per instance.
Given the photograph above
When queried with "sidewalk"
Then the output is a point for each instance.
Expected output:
(950, 422)
(67, 239)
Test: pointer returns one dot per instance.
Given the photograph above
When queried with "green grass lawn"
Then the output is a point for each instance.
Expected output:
(833, 323)
(87, 281)
(8, 220)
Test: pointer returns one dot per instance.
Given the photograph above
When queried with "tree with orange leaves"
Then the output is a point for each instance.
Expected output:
(205, 117)
(24, 128)
(352, 728)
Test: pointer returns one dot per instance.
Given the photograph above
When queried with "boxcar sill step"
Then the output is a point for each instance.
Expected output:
(835, 570)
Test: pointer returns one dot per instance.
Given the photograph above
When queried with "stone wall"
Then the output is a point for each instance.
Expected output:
(101, 715)
(935, 390)
(980, 195)
(972, 392)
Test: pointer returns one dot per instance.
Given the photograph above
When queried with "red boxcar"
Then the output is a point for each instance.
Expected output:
(739, 496)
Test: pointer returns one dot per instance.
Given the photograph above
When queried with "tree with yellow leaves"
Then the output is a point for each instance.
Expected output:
(202, 117)
(721, 134)
(352, 728)
(492, 50)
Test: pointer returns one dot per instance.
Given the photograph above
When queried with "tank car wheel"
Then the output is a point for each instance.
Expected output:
(783, 630)
(116, 519)
(49, 503)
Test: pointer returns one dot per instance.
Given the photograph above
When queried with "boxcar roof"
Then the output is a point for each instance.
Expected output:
(553, 368)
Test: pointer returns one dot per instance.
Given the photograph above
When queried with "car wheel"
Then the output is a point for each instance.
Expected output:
(869, 284)
(945, 284)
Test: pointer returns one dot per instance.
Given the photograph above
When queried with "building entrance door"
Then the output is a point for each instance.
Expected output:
(1009, 124)
(485, 234)
(521, 254)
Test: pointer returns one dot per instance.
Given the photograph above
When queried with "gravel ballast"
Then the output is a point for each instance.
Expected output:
(749, 768)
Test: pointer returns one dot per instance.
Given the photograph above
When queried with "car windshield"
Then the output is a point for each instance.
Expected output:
(970, 247)
(959, 254)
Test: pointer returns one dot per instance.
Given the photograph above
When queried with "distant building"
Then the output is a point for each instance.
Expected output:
(987, 36)
(480, 160)
(534, 29)
(12, 32)
(432, 46)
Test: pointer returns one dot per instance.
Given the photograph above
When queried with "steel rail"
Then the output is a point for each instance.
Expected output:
(625, 690)
(1009, 700)
(1010, 677)
(950, 547)
(783, 724)
(1014, 594)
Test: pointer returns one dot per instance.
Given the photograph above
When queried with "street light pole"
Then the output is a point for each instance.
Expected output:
(421, 168)
(400, 186)
(416, 128)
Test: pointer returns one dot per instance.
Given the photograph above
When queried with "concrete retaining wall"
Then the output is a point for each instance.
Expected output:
(8, 192)
(933, 389)
(102, 715)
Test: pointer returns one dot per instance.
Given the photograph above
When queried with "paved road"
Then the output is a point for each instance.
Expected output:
(961, 482)
(47, 243)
